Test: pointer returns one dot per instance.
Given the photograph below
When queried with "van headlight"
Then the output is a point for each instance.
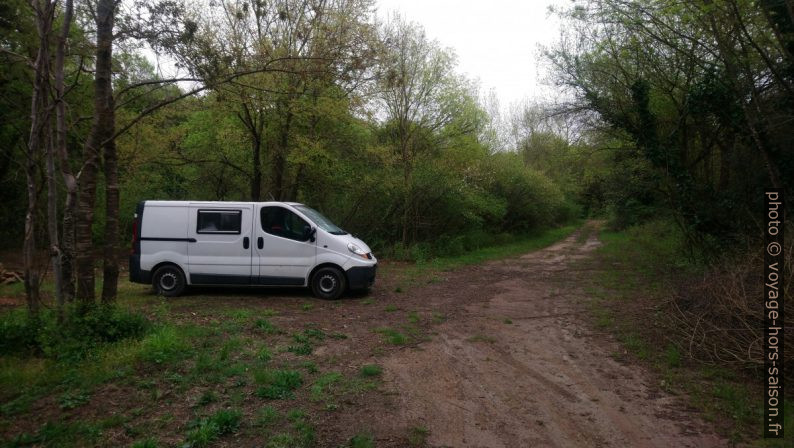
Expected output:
(357, 250)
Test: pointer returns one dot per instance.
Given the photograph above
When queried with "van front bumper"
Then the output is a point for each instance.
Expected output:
(361, 277)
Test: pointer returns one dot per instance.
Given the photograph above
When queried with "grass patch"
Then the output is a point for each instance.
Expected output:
(267, 416)
(60, 434)
(151, 442)
(481, 338)
(301, 432)
(266, 326)
(205, 431)
(517, 245)
(363, 440)
(370, 370)
(206, 398)
(165, 345)
(332, 385)
(417, 436)
(277, 384)
(392, 336)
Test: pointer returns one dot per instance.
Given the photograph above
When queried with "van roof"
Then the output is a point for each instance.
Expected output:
(212, 203)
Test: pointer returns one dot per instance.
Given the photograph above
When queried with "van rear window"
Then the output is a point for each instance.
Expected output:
(219, 221)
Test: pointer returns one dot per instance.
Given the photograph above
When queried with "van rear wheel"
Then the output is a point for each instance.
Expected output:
(328, 283)
(169, 281)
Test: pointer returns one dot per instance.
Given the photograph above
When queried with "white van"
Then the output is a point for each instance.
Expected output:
(181, 243)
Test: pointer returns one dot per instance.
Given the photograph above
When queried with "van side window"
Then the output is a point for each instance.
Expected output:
(219, 221)
(281, 222)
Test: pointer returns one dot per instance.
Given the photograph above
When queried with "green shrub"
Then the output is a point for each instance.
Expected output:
(81, 331)
(18, 334)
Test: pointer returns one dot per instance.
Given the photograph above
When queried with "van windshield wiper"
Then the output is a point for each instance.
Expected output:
(339, 232)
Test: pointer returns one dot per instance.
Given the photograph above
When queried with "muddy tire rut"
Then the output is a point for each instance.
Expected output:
(518, 366)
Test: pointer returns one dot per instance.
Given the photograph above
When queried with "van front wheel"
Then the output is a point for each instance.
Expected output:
(328, 283)
(169, 281)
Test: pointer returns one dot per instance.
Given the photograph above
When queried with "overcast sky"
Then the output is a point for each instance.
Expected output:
(496, 40)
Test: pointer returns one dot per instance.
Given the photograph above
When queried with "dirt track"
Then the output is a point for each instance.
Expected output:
(518, 367)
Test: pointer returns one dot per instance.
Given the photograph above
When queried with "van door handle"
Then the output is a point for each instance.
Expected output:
(246, 243)
(260, 242)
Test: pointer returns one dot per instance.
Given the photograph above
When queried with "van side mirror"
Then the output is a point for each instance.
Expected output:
(309, 232)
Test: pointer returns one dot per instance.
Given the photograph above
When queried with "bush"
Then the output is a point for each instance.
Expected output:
(18, 334)
(76, 336)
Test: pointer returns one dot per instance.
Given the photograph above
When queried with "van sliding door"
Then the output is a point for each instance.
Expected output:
(221, 253)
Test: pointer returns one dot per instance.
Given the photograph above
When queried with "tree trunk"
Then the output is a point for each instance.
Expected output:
(110, 275)
(39, 135)
(101, 131)
(256, 179)
(255, 124)
(66, 289)
(52, 224)
(280, 158)
(408, 187)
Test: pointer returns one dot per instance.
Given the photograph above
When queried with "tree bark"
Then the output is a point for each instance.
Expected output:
(256, 179)
(66, 249)
(39, 135)
(254, 123)
(101, 131)
(110, 274)
(52, 224)
(280, 158)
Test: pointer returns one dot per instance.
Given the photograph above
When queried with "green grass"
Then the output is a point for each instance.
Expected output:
(206, 430)
(417, 436)
(481, 338)
(363, 440)
(520, 245)
(163, 346)
(266, 326)
(330, 386)
(60, 434)
(206, 398)
(277, 384)
(392, 336)
(267, 416)
(370, 370)
(151, 442)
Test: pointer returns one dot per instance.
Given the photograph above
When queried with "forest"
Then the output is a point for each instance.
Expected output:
(667, 111)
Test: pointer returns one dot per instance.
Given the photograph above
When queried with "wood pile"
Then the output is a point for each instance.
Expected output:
(8, 276)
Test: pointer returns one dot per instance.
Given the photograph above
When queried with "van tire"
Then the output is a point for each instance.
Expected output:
(169, 281)
(328, 283)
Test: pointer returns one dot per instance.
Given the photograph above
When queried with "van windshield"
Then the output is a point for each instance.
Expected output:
(321, 221)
